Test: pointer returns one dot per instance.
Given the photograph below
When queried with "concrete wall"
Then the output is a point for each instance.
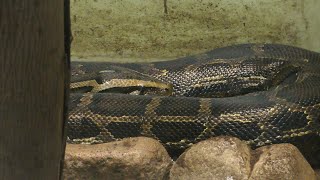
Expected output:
(152, 29)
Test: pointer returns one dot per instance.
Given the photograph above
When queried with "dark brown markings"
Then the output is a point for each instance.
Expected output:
(305, 93)
(253, 103)
(178, 106)
(74, 100)
(287, 120)
(124, 129)
(177, 131)
(119, 105)
(232, 87)
(241, 130)
(82, 128)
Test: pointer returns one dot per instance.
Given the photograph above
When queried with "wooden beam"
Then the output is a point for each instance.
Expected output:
(33, 79)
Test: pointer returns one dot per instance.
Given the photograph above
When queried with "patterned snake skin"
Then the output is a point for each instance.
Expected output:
(261, 93)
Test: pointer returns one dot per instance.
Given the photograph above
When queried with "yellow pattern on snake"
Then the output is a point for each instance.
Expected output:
(261, 93)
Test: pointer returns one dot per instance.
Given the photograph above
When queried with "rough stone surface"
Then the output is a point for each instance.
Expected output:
(281, 161)
(132, 158)
(216, 158)
(318, 173)
(230, 158)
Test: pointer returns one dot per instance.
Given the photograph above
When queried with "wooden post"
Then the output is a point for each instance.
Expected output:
(32, 82)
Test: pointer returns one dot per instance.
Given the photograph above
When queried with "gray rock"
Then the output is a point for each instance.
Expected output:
(132, 158)
(215, 158)
(281, 161)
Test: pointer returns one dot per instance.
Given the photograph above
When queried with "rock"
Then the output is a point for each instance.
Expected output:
(132, 158)
(317, 173)
(230, 158)
(215, 158)
(281, 161)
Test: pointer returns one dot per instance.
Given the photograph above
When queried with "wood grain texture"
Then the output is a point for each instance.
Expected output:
(32, 82)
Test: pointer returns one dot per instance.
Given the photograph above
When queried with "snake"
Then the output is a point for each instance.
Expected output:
(262, 94)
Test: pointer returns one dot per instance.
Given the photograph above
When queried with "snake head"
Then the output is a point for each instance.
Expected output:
(115, 79)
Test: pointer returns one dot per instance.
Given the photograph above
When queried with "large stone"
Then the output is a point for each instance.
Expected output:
(230, 158)
(281, 161)
(215, 158)
(317, 173)
(132, 158)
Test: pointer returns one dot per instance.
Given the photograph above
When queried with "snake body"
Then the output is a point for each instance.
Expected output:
(261, 93)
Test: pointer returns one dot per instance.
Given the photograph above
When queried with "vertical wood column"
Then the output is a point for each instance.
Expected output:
(33, 75)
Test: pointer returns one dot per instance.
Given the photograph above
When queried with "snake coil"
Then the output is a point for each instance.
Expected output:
(261, 93)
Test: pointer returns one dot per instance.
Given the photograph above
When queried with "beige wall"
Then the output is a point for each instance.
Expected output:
(141, 30)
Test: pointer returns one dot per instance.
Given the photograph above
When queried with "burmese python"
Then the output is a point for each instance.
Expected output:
(260, 93)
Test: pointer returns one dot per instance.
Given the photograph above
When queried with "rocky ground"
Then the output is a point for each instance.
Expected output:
(216, 158)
